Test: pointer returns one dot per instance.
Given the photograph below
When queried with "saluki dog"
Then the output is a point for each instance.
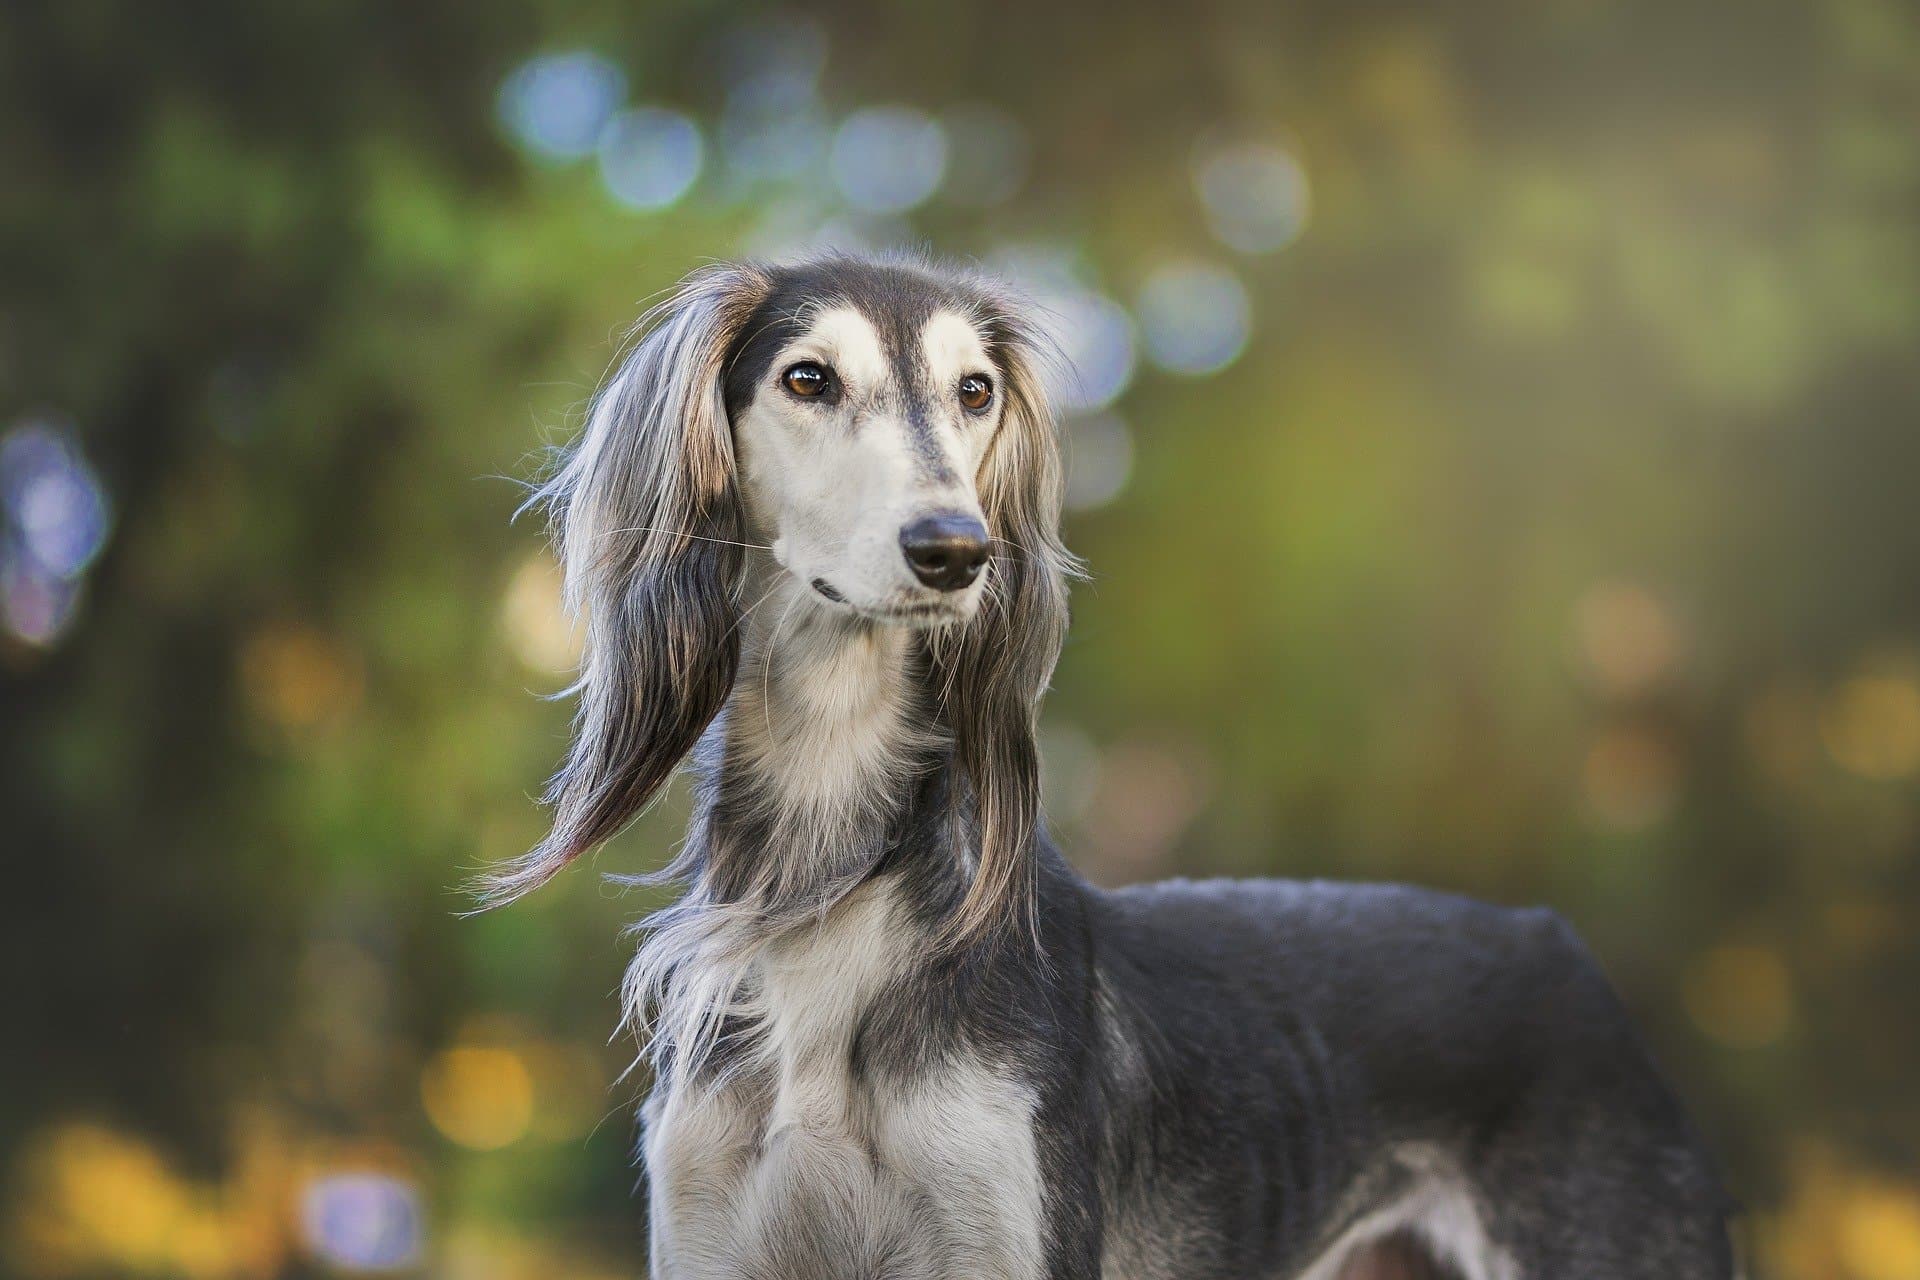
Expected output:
(812, 525)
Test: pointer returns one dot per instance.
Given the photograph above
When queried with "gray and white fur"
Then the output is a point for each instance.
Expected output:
(812, 523)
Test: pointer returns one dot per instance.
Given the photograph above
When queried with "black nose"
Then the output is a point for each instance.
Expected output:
(945, 551)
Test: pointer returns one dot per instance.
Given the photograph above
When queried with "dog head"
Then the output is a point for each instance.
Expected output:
(863, 401)
(878, 431)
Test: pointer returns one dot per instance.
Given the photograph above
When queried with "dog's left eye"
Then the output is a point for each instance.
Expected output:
(976, 391)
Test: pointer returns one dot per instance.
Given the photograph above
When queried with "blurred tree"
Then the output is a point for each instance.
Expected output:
(1494, 443)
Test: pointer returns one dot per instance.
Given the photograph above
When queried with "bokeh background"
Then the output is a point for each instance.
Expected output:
(1493, 434)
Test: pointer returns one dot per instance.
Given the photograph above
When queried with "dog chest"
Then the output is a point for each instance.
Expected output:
(798, 1167)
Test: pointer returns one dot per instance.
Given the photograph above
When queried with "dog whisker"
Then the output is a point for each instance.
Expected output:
(682, 533)
(766, 665)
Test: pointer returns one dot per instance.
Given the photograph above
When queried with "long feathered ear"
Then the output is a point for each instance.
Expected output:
(647, 522)
(993, 672)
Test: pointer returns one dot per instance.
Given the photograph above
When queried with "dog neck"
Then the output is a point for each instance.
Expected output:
(815, 759)
(803, 786)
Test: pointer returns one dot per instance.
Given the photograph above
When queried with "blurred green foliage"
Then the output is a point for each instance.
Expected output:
(1553, 538)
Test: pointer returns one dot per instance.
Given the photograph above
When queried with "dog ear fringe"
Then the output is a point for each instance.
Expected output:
(644, 512)
(992, 676)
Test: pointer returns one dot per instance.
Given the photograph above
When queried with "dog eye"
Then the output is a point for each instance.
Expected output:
(976, 391)
(807, 379)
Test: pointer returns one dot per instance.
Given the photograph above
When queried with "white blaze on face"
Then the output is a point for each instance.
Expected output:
(953, 348)
(830, 482)
(846, 342)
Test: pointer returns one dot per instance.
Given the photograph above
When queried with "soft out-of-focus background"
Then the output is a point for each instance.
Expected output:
(1494, 439)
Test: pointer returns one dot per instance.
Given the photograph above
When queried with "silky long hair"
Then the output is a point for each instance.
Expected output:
(647, 520)
(991, 678)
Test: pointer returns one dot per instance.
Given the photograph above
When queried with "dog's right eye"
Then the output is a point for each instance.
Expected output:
(807, 379)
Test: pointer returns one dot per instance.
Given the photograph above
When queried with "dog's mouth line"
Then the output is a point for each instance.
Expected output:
(927, 614)
(931, 612)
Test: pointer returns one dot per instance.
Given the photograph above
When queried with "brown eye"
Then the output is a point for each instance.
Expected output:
(807, 379)
(976, 391)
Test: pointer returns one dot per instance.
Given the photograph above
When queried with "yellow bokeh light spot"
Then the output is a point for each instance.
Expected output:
(534, 621)
(1871, 725)
(296, 678)
(480, 1096)
(95, 1199)
(1627, 638)
(1630, 777)
(1880, 1234)
(1740, 995)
